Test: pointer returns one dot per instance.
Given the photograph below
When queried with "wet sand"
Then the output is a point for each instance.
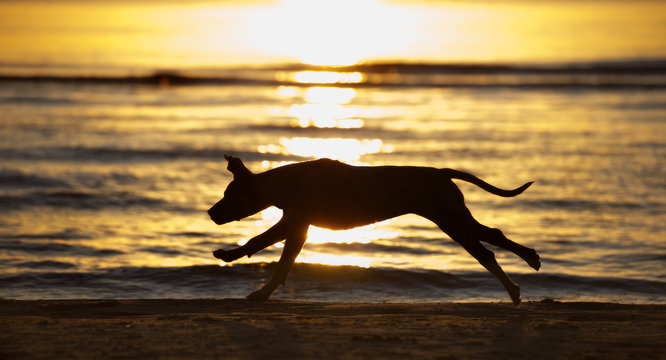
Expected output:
(238, 329)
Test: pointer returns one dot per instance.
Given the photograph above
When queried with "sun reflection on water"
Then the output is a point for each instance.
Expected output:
(325, 116)
(325, 108)
(332, 148)
(361, 235)
(320, 77)
(329, 95)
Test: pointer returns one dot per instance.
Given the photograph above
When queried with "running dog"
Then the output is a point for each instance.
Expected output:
(334, 195)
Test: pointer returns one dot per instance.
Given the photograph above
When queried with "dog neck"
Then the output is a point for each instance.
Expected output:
(275, 187)
(264, 188)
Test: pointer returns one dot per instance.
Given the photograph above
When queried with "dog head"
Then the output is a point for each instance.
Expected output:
(240, 197)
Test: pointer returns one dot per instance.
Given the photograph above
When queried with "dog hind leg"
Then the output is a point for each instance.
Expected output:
(461, 228)
(487, 258)
(497, 238)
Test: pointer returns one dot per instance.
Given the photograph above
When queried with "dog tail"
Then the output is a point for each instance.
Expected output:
(455, 174)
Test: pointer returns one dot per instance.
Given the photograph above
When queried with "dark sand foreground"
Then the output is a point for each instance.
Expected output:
(238, 329)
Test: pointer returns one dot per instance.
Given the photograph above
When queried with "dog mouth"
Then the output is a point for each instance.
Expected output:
(218, 222)
(221, 220)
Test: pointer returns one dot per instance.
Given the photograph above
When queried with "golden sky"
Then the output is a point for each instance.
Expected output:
(174, 34)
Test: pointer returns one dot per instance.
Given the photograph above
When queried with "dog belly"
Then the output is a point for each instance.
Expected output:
(346, 213)
(348, 221)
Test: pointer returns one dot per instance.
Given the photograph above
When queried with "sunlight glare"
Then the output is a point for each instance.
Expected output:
(325, 109)
(287, 91)
(271, 214)
(360, 235)
(332, 32)
(332, 148)
(321, 77)
(317, 235)
(329, 95)
(325, 116)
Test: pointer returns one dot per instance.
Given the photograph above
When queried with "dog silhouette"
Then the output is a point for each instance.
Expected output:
(334, 195)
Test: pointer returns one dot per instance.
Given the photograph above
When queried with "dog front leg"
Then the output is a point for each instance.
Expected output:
(269, 237)
(296, 236)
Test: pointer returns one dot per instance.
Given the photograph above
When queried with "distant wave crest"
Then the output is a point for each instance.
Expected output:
(644, 73)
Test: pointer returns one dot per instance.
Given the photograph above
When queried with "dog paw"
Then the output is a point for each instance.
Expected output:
(514, 292)
(226, 255)
(259, 295)
(534, 260)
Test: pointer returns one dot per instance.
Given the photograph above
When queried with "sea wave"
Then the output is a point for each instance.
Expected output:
(610, 74)
(111, 154)
(68, 234)
(78, 200)
(34, 248)
(612, 205)
(17, 179)
(315, 282)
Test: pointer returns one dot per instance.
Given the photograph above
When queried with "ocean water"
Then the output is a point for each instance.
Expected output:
(104, 185)
(107, 168)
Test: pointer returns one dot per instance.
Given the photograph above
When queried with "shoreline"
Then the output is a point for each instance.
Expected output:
(239, 329)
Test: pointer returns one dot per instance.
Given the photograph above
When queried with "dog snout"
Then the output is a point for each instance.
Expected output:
(211, 213)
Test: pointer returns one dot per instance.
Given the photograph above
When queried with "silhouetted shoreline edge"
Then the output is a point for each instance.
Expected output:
(239, 329)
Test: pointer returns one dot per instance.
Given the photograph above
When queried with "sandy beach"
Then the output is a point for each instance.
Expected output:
(238, 329)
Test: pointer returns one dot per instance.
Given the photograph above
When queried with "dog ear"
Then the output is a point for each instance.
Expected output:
(236, 167)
